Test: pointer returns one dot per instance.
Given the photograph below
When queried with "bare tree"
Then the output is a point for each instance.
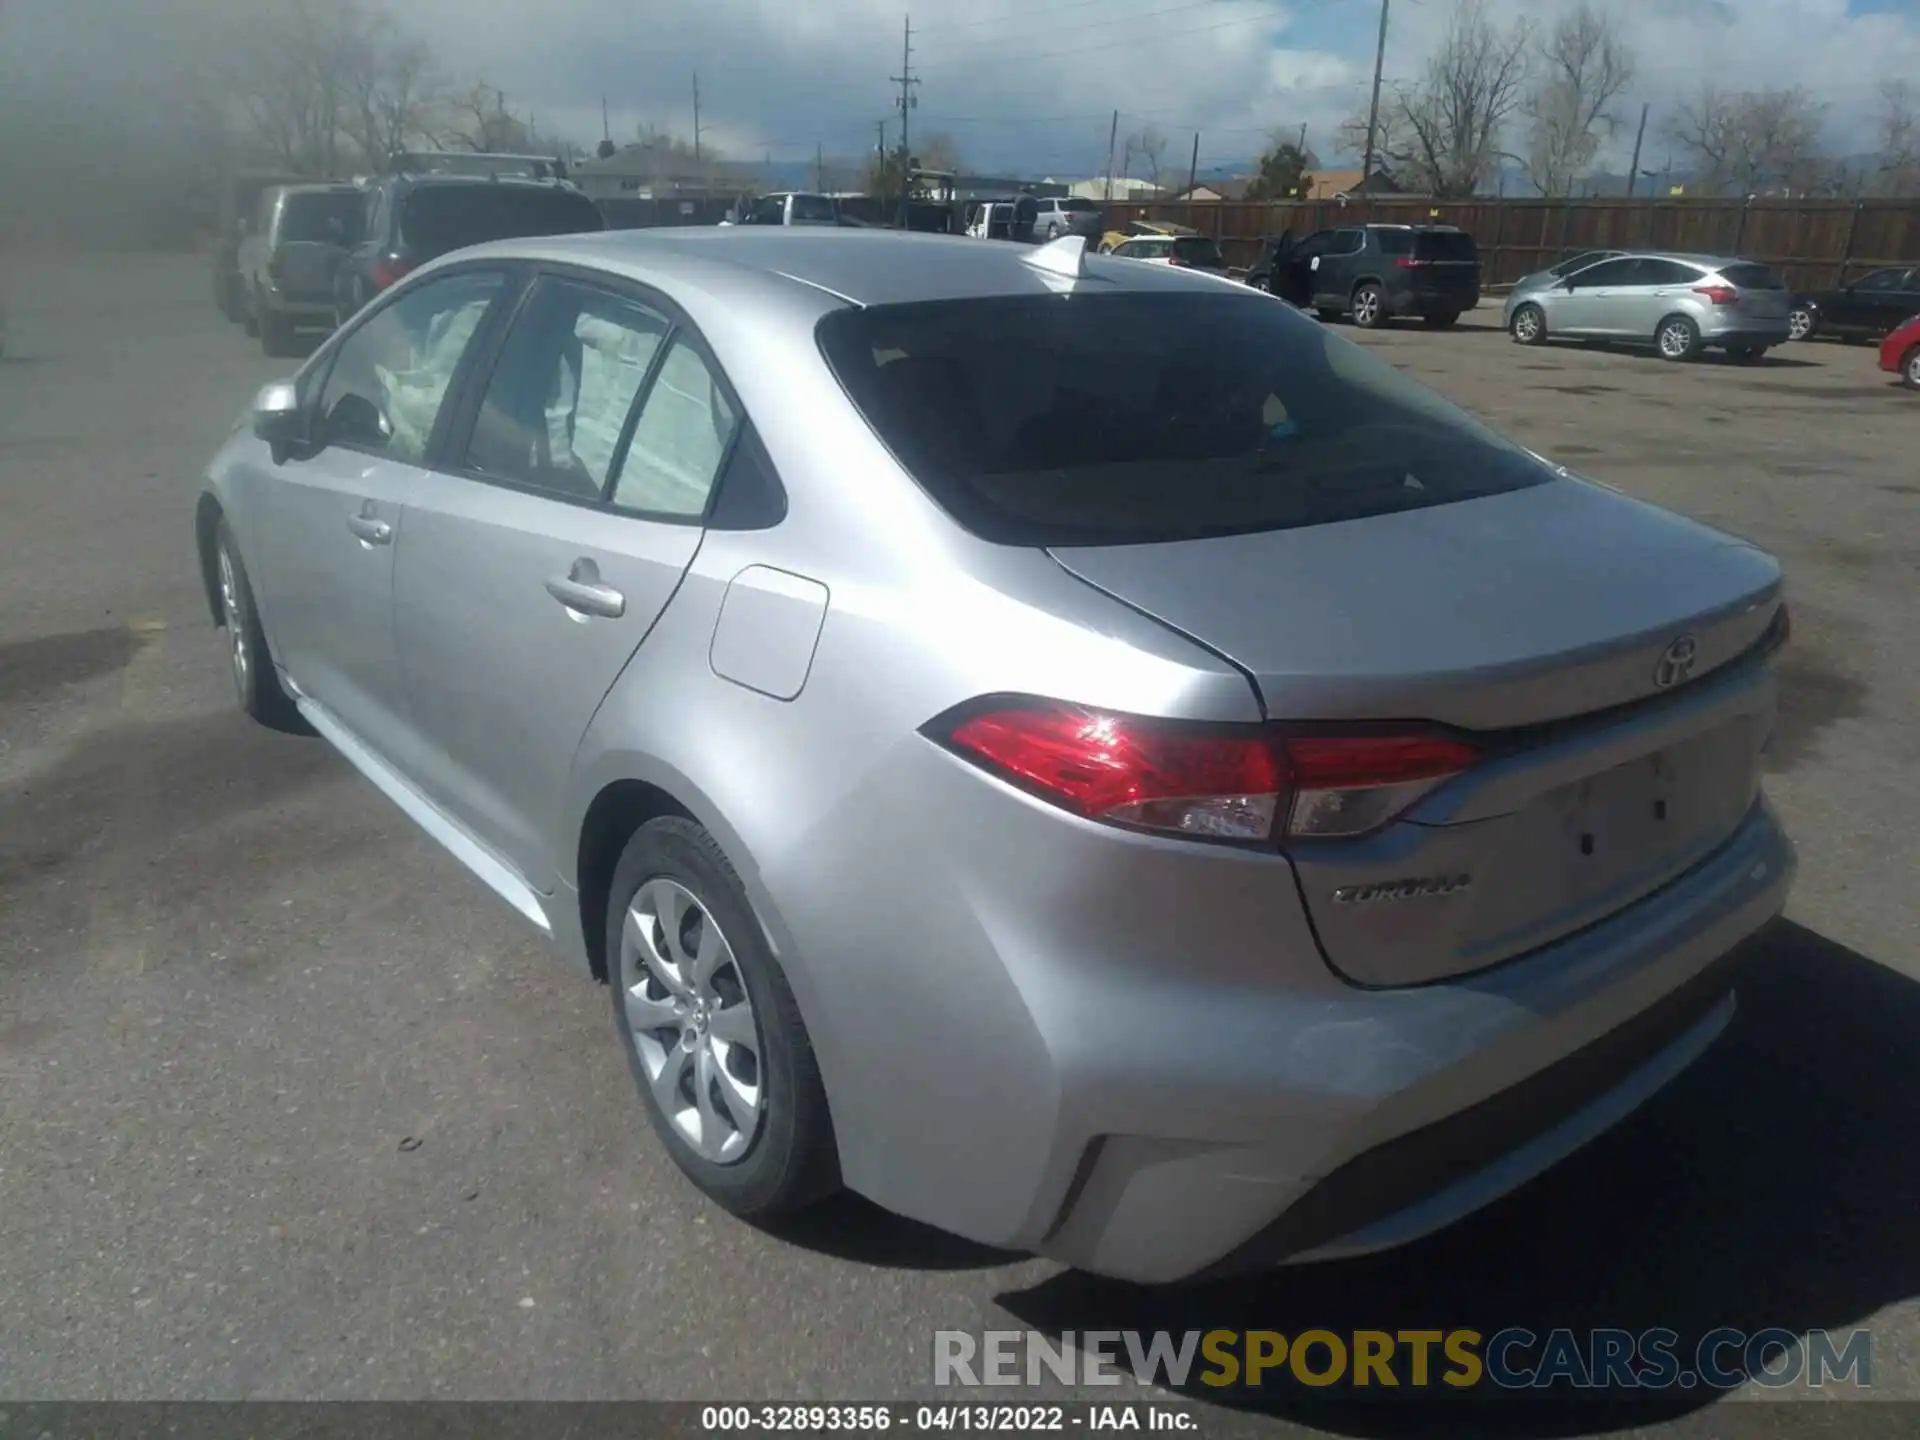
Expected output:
(288, 74)
(1584, 68)
(478, 119)
(1149, 147)
(393, 91)
(1751, 140)
(1443, 133)
(1899, 137)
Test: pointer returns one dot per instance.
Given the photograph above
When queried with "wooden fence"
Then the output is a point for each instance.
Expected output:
(1814, 243)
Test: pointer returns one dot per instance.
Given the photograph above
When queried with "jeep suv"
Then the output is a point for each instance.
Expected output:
(1377, 272)
(299, 235)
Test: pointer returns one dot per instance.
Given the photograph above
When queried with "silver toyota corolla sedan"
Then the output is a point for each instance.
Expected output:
(1678, 304)
(1073, 751)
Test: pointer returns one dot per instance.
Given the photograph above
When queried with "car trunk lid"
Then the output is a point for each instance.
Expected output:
(1566, 630)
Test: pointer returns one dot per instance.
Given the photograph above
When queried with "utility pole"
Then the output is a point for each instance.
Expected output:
(819, 166)
(1373, 110)
(1193, 167)
(1113, 135)
(906, 81)
(696, 117)
(1633, 170)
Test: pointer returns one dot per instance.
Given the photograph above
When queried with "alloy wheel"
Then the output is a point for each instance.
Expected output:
(1366, 307)
(692, 1021)
(233, 614)
(1526, 325)
(1676, 339)
(1911, 370)
(1799, 324)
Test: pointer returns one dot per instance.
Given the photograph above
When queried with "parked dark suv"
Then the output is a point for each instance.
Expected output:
(1377, 272)
(239, 201)
(411, 219)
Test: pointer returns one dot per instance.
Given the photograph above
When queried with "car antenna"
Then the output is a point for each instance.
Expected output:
(1066, 256)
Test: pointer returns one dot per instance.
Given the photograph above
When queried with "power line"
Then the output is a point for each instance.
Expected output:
(1048, 34)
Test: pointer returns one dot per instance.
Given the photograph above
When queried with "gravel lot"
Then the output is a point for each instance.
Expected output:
(291, 1107)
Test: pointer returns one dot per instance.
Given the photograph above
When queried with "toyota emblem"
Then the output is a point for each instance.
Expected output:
(1676, 662)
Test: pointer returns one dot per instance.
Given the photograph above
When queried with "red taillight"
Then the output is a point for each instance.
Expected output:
(1718, 294)
(1175, 260)
(1407, 262)
(1205, 781)
(387, 269)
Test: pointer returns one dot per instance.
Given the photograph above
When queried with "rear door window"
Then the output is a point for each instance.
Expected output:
(305, 216)
(1649, 271)
(557, 404)
(1394, 242)
(1753, 277)
(1607, 272)
(1101, 419)
(686, 427)
(1197, 250)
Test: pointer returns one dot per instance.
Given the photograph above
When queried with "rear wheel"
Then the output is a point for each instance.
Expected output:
(1801, 323)
(711, 1031)
(1910, 369)
(1678, 338)
(1443, 320)
(1529, 325)
(1369, 306)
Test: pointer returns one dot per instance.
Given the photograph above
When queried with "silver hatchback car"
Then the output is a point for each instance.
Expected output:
(1073, 751)
(1678, 304)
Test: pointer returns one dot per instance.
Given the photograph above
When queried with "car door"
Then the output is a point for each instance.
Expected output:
(331, 515)
(1331, 267)
(537, 559)
(1891, 303)
(1635, 308)
(1580, 306)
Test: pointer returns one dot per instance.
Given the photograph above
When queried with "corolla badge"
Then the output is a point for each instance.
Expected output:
(1676, 662)
(1401, 889)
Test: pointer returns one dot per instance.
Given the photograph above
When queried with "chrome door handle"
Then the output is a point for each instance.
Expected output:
(372, 531)
(588, 597)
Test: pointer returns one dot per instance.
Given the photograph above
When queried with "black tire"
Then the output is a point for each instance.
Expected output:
(256, 682)
(1910, 368)
(1802, 323)
(1369, 306)
(1532, 330)
(1444, 320)
(791, 1160)
(1677, 338)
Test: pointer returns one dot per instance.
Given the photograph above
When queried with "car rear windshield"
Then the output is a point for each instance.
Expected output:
(1753, 277)
(1197, 250)
(1444, 245)
(1133, 418)
(1076, 203)
(813, 207)
(439, 218)
(305, 217)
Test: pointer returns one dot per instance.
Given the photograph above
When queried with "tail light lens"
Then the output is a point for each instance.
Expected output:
(1718, 294)
(387, 269)
(1407, 262)
(1206, 782)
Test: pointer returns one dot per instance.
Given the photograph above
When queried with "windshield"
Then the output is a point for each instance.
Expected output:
(1100, 419)
(305, 217)
(439, 218)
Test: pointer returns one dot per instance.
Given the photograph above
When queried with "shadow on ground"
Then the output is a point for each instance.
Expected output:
(1772, 1185)
(849, 1228)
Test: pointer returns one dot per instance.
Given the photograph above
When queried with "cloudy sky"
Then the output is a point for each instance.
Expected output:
(1019, 84)
(1032, 83)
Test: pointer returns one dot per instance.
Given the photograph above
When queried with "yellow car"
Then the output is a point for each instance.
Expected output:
(1142, 227)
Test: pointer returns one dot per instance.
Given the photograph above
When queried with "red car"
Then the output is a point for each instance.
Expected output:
(1900, 352)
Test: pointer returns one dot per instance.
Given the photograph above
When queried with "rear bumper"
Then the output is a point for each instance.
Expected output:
(301, 309)
(1742, 330)
(1432, 301)
(1435, 1102)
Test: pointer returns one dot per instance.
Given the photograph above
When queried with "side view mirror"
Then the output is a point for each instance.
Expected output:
(279, 418)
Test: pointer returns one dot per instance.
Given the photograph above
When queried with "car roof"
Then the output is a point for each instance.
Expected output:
(859, 267)
(319, 187)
